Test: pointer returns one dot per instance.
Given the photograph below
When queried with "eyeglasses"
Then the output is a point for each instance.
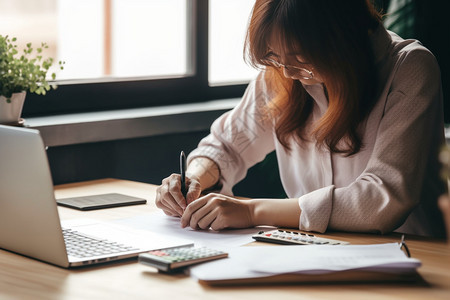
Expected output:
(304, 73)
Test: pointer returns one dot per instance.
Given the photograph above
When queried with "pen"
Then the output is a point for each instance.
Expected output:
(183, 173)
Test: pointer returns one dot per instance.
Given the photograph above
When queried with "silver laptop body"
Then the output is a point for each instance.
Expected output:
(29, 220)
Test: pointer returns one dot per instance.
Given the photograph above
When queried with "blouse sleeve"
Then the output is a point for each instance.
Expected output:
(239, 138)
(402, 162)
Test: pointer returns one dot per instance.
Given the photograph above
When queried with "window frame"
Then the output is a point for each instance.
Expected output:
(128, 93)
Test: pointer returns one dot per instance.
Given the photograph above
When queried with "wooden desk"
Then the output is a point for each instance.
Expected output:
(25, 278)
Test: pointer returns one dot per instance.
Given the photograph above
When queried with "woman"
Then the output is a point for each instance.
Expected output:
(354, 113)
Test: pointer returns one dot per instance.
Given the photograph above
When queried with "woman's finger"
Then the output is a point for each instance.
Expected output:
(206, 221)
(175, 192)
(170, 203)
(192, 208)
(194, 191)
(165, 200)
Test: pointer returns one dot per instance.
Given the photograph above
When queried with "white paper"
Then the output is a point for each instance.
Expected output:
(158, 222)
(254, 262)
(334, 258)
(236, 266)
(142, 239)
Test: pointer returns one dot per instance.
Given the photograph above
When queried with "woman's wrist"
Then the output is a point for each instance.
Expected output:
(193, 176)
(275, 212)
(205, 171)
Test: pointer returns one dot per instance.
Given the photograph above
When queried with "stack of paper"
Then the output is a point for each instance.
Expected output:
(312, 260)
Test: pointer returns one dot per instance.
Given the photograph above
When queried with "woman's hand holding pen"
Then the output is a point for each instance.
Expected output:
(169, 197)
(202, 173)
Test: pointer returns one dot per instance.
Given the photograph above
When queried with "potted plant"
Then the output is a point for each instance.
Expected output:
(21, 73)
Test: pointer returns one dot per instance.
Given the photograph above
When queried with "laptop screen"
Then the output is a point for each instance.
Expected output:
(29, 221)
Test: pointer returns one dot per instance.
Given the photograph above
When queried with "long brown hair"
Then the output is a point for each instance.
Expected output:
(332, 36)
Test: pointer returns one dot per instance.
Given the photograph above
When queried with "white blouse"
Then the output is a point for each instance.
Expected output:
(392, 183)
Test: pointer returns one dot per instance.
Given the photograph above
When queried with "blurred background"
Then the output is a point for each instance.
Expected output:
(126, 54)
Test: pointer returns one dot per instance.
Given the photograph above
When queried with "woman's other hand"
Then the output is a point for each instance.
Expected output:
(218, 212)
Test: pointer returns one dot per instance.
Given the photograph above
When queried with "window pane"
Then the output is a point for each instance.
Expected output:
(31, 22)
(103, 38)
(227, 28)
(149, 37)
(80, 38)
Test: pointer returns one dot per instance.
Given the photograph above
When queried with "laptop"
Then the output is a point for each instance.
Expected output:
(29, 220)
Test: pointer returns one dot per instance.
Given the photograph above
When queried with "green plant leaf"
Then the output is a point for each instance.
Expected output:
(27, 72)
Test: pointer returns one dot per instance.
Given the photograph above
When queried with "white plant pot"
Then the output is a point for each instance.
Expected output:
(10, 112)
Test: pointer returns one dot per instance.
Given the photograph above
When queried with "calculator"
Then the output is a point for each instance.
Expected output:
(168, 260)
(287, 237)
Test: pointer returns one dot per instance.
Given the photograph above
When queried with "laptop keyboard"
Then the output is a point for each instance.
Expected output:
(80, 245)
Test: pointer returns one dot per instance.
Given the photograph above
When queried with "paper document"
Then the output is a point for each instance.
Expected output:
(255, 262)
(121, 234)
(158, 222)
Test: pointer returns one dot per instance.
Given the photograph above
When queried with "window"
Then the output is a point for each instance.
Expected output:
(122, 38)
(131, 53)
(101, 39)
(227, 29)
